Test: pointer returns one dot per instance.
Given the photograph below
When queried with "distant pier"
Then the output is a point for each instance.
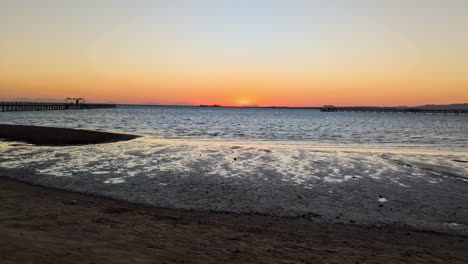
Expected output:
(36, 106)
(331, 108)
(215, 105)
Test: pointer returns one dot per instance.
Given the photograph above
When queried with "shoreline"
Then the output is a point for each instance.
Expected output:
(102, 216)
(52, 225)
(168, 176)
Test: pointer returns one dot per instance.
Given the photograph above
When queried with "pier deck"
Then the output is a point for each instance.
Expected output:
(36, 106)
(394, 110)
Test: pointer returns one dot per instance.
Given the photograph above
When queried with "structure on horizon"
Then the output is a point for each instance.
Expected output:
(77, 101)
(328, 108)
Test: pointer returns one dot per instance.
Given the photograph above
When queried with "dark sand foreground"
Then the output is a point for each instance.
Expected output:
(41, 225)
(51, 136)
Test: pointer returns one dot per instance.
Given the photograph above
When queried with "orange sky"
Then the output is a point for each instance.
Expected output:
(282, 53)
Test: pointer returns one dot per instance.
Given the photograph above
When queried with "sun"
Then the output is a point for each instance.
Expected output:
(243, 101)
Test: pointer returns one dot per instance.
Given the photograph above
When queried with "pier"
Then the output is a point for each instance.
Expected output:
(331, 108)
(36, 106)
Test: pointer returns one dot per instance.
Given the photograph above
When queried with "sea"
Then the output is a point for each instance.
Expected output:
(366, 168)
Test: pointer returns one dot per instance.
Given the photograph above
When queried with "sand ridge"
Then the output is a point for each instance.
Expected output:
(51, 136)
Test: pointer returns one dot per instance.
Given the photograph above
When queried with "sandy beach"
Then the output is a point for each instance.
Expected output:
(41, 225)
(46, 225)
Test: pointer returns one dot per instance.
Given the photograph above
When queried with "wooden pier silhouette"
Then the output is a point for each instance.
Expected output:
(331, 108)
(39, 106)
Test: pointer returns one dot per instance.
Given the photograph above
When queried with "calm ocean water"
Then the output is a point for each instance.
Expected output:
(275, 126)
(364, 168)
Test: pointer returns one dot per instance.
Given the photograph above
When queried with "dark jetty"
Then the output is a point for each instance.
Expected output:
(51, 136)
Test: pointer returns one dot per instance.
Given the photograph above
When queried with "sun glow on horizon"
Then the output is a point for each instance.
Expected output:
(243, 101)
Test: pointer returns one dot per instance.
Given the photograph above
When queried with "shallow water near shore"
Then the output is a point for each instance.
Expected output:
(362, 168)
(276, 126)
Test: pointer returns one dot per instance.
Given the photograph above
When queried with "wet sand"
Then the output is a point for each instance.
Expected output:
(51, 136)
(44, 225)
(41, 225)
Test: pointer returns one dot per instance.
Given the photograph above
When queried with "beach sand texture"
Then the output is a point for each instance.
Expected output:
(40, 225)
(44, 225)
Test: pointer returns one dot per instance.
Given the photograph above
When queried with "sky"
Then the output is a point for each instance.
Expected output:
(236, 52)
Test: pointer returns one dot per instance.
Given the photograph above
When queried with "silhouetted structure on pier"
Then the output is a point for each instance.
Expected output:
(70, 104)
(331, 108)
(328, 108)
(76, 101)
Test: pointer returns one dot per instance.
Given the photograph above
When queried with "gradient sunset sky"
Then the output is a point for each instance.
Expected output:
(236, 52)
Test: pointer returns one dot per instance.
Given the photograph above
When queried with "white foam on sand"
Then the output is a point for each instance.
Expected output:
(293, 165)
(114, 180)
(266, 179)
